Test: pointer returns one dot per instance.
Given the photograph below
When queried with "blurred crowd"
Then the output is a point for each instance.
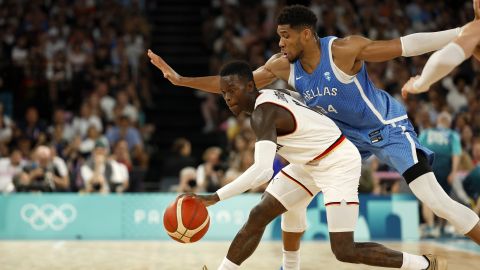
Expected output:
(77, 74)
(73, 89)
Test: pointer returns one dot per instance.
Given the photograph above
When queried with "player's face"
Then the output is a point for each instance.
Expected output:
(290, 44)
(234, 91)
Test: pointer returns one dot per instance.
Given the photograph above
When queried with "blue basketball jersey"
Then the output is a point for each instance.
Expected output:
(353, 102)
(369, 117)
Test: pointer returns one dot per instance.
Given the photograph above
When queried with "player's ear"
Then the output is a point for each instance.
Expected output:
(308, 34)
(250, 86)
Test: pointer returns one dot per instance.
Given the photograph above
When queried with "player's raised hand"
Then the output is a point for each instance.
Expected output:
(167, 71)
(408, 87)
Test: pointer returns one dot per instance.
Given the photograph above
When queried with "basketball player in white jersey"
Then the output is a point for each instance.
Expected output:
(331, 75)
(320, 158)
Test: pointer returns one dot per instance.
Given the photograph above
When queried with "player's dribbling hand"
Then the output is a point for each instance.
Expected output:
(408, 87)
(168, 72)
(207, 200)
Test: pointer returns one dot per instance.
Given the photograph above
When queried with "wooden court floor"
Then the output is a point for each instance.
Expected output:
(165, 255)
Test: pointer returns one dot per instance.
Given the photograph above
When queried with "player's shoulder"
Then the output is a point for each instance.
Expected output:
(273, 95)
(349, 43)
(277, 61)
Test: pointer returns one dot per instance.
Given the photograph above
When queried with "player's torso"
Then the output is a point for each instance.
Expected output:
(313, 133)
(352, 102)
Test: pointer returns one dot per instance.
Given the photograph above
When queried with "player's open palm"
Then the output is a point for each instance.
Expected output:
(167, 71)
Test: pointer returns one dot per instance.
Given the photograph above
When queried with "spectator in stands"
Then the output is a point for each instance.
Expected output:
(103, 175)
(60, 118)
(43, 173)
(32, 128)
(106, 101)
(88, 143)
(124, 130)
(122, 155)
(210, 172)
(86, 118)
(179, 157)
(188, 182)
(122, 103)
(9, 167)
(471, 183)
(6, 131)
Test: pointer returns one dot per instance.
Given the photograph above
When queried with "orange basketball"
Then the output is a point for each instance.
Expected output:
(186, 220)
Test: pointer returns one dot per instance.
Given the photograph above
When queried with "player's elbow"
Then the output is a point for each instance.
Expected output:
(263, 174)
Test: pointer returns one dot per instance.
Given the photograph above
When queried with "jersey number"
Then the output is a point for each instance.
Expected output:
(331, 109)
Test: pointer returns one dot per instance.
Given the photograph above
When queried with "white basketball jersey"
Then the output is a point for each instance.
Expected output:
(315, 135)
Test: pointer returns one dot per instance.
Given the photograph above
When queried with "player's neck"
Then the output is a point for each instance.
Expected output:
(310, 58)
(251, 102)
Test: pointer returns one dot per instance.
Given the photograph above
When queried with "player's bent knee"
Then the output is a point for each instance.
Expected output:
(344, 254)
(422, 167)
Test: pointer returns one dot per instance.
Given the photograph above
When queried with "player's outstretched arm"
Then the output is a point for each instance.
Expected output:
(263, 124)
(263, 76)
(207, 83)
(409, 45)
(364, 49)
(445, 60)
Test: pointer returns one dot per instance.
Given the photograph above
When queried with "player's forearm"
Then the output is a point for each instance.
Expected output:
(421, 43)
(238, 186)
(209, 84)
(438, 66)
(260, 172)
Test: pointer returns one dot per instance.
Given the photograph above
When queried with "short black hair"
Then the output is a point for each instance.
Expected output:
(240, 68)
(297, 16)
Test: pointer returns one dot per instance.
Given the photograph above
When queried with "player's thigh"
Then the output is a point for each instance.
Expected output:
(400, 151)
(338, 174)
(294, 189)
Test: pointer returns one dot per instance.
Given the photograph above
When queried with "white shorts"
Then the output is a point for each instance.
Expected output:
(336, 175)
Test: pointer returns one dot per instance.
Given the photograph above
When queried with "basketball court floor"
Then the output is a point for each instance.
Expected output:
(166, 255)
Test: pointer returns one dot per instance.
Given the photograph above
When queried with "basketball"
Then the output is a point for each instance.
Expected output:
(186, 220)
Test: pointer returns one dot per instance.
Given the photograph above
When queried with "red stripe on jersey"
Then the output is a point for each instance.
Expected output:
(298, 182)
(331, 148)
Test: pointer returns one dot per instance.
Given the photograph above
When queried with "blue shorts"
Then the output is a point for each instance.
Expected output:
(394, 144)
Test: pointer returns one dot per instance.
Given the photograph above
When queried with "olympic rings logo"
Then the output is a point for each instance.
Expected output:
(48, 216)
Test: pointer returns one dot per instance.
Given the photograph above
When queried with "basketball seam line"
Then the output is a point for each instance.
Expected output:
(192, 218)
(186, 230)
(183, 234)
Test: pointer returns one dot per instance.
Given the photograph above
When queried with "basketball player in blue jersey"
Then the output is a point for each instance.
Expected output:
(330, 74)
